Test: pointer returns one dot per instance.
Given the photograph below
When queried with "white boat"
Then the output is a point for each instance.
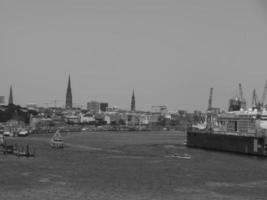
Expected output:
(23, 132)
(7, 133)
(57, 140)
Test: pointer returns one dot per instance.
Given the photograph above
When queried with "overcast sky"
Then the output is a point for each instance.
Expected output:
(169, 52)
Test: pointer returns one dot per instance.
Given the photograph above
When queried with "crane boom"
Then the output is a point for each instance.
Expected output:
(240, 92)
(241, 96)
(255, 102)
(264, 94)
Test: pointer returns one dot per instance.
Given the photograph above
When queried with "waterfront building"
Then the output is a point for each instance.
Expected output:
(2, 100)
(32, 106)
(40, 121)
(93, 107)
(87, 118)
(182, 113)
(72, 119)
(113, 109)
(162, 109)
(103, 107)
(144, 119)
(133, 102)
(132, 119)
(68, 96)
(107, 119)
(154, 118)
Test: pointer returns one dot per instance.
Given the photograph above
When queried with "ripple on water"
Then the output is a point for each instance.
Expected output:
(44, 180)
(26, 173)
(261, 183)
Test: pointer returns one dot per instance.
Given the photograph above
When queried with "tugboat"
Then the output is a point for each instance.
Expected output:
(57, 140)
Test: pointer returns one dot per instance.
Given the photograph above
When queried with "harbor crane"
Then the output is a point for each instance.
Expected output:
(241, 96)
(263, 95)
(210, 99)
(210, 114)
(256, 103)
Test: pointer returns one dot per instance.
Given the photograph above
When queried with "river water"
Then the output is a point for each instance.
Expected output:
(133, 165)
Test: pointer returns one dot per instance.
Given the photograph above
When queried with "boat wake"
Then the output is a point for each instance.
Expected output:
(183, 156)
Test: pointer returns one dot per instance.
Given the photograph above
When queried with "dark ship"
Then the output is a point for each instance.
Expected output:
(239, 130)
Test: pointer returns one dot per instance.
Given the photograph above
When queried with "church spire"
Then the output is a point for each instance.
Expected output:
(69, 95)
(133, 102)
(10, 100)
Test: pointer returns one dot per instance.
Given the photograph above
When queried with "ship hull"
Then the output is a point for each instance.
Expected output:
(227, 142)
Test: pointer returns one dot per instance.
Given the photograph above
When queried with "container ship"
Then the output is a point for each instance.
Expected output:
(239, 130)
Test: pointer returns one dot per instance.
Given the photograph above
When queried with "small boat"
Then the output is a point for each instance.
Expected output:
(57, 140)
(184, 156)
(23, 132)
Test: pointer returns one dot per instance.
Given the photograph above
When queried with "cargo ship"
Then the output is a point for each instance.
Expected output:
(240, 130)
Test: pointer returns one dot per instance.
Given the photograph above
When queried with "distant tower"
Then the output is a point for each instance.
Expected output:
(68, 96)
(10, 100)
(133, 102)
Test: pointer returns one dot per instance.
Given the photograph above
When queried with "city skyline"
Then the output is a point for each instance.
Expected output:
(68, 99)
(170, 52)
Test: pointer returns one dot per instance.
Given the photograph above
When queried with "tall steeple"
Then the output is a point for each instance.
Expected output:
(68, 95)
(133, 102)
(10, 100)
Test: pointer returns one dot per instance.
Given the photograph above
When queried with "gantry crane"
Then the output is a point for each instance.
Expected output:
(210, 99)
(241, 96)
(263, 95)
(255, 101)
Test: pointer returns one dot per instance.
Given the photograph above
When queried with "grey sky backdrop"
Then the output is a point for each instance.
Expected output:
(170, 52)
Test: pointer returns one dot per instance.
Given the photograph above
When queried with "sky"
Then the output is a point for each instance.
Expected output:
(171, 52)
